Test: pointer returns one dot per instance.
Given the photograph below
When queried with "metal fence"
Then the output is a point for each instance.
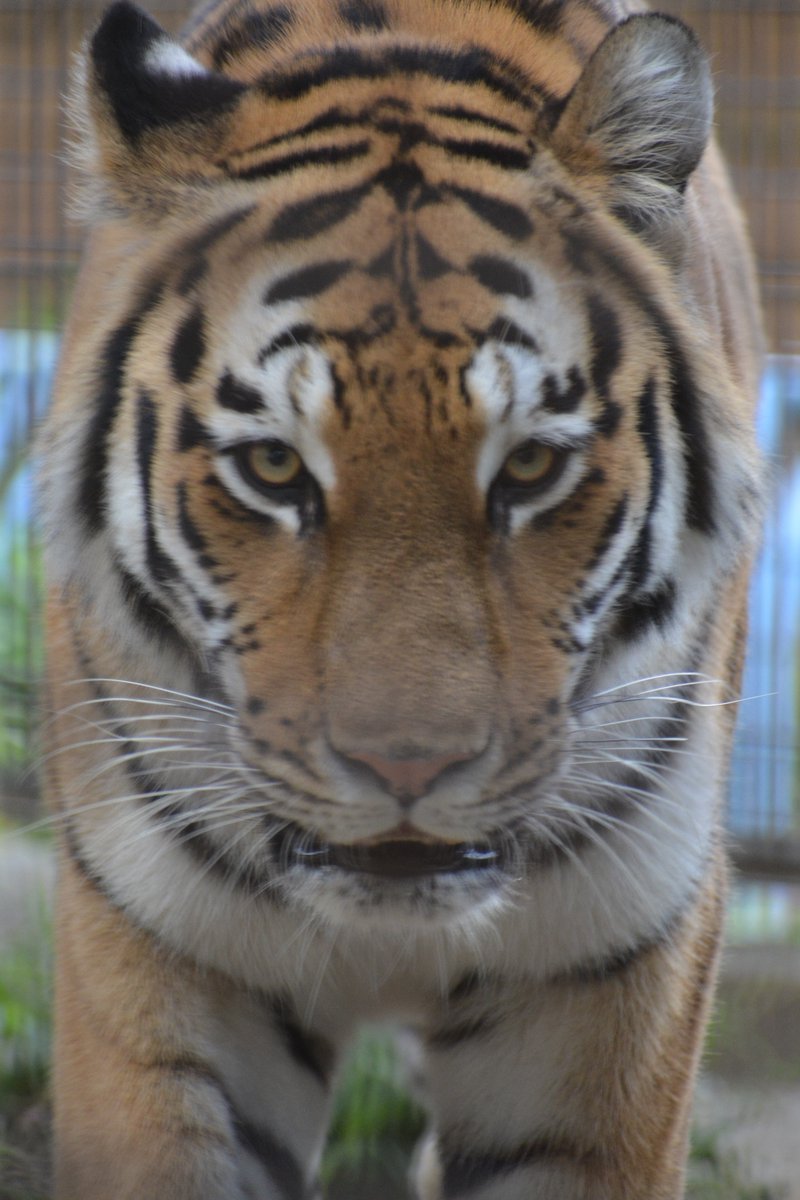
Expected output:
(755, 50)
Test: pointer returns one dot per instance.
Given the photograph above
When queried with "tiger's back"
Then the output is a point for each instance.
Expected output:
(399, 491)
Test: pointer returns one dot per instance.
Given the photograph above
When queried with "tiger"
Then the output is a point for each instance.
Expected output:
(398, 497)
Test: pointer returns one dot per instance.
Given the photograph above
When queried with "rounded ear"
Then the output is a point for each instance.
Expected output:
(640, 116)
(156, 116)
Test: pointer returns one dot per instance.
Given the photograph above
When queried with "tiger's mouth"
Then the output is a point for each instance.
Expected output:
(388, 857)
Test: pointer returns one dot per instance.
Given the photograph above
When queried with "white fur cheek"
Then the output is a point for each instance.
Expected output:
(625, 889)
(127, 518)
(248, 937)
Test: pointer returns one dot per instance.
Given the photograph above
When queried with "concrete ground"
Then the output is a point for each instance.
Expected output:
(756, 1130)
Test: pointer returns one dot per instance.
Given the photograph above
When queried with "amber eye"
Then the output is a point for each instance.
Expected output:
(271, 464)
(530, 464)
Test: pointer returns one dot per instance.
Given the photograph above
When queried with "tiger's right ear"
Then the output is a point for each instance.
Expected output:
(157, 117)
(637, 122)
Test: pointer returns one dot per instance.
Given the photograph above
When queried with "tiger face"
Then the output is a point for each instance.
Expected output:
(398, 459)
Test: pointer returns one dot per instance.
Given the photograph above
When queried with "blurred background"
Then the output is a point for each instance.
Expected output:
(746, 1144)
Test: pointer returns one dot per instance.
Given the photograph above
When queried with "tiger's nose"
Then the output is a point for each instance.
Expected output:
(409, 778)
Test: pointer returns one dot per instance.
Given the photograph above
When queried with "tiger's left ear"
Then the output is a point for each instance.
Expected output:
(157, 117)
(639, 117)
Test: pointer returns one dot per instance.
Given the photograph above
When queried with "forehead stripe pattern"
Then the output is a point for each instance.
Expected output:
(308, 281)
(254, 30)
(473, 67)
(364, 14)
(306, 218)
(459, 113)
(324, 156)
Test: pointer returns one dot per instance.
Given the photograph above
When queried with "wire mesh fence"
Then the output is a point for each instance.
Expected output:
(755, 49)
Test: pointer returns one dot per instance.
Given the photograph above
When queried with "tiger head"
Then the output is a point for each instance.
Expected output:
(391, 432)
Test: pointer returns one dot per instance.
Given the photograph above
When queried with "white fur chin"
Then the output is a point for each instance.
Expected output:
(616, 894)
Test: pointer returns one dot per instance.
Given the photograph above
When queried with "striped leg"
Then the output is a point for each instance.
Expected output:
(575, 1090)
(169, 1082)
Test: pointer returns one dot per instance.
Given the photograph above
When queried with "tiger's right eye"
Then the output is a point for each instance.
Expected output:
(270, 465)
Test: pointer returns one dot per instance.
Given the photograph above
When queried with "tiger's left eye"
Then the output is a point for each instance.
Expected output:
(271, 464)
(530, 464)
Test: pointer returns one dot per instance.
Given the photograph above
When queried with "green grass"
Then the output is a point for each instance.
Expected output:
(21, 659)
(25, 1026)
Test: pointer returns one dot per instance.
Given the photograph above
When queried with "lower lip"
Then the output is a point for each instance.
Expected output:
(391, 859)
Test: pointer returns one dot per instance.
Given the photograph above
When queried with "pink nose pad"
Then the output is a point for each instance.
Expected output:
(409, 776)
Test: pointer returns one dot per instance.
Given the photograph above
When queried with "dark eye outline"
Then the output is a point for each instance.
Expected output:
(518, 491)
(302, 490)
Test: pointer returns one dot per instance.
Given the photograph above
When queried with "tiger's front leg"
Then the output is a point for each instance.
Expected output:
(171, 1082)
(578, 1089)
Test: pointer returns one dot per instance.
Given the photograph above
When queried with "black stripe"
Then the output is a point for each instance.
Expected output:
(402, 179)
(323, 155)
(191, 432)
(188, 346)
(239, 397)
(191, 534)
(544, 15)
(307, 218)
(611, 527)
(508, 333)
(467, 985)
(509, 158)
(472, 66)
(192, 252)
(307, 281)
(687, 405)
(647, 428)
(430, 263)
(656, 606)
(501, 276)
(364, 14)
(187, 830)
(459, 113)
(256, 30)
(276, 1158)
(75, 853)
(686, 401)
(331, 118)
(308, 1049)
(161, 566)
(296, 335)
(210, 858)
(606, 338)
(652, 608)
(147, 613)
(563, 400)
(617, 962)
(502, 215)
(92, 490)
(465, 1172)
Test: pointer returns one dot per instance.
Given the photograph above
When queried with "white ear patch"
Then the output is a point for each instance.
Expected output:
(166, 57)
